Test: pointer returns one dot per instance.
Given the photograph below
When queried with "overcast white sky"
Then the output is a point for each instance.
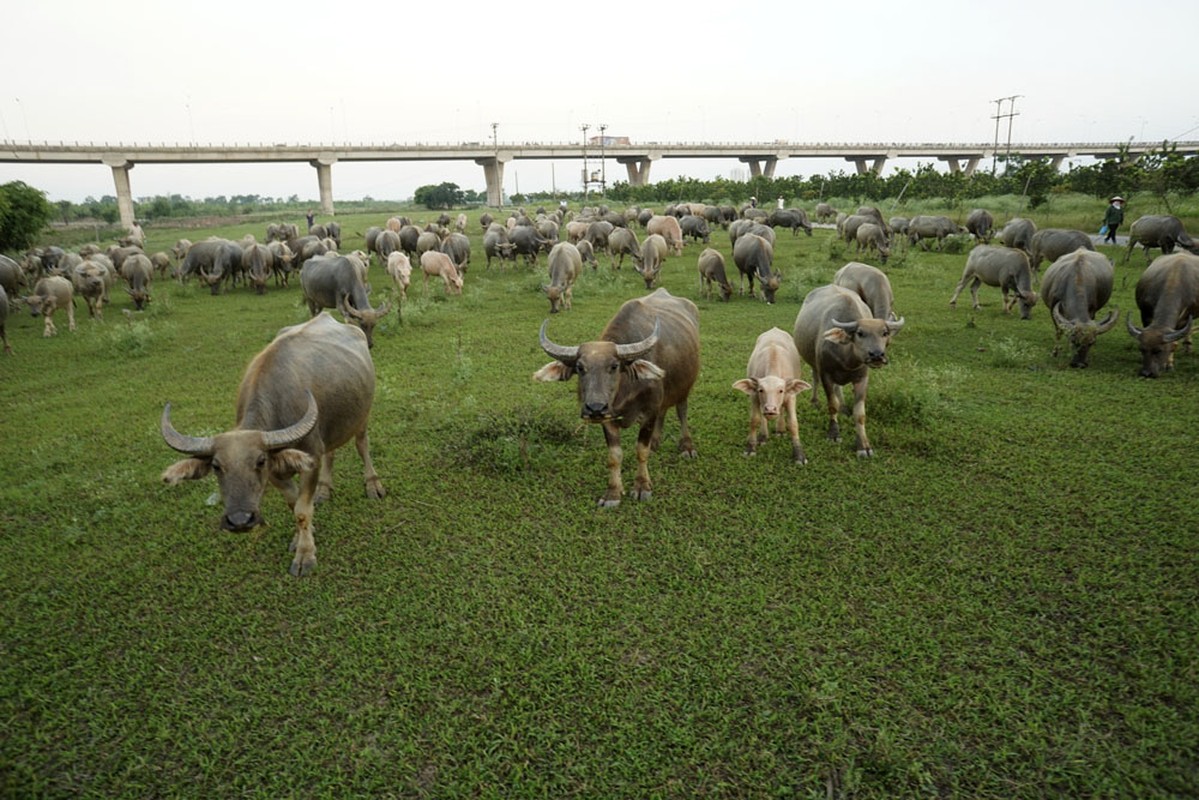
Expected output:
(362, 71)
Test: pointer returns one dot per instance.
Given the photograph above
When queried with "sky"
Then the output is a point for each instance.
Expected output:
(362, 72)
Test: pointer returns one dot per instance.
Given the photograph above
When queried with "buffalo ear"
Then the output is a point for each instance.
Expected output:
(189, 469)
(838, 336)
(747, 385)
(797, 385)
(644, 370)
(554, 371)
(290, 461)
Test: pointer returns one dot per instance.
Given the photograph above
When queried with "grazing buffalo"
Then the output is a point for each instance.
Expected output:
(137, 272)
(623, 242)
(824, 212)
(12, 277)
(90, 280)
(496, 245)
(1168, 298)
(836, 335)
(1050, 244)
(436, 264)
(981, 225)
(649, 262)
(696, 227)
(528, 243)
(1004, 267)
(754, 256)
(925, 226)
(305, 395)
(1018, 233)
(644, 363)
(794, 218)
(565, 266)
(331, 281)
(399, 267)
(869, 283)
(772, 381)
(871, 236)
(457, 247)
(711, 270)
(1075, 287)
(1162, 231)
(669, 229)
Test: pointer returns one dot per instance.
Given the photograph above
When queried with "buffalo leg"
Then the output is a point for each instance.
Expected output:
(612, 497)
(304, 543)
(324, 486)
(374, 487)
(859, 416)
(642, 487)
(757, 427)
(833, 396)
(974, 292)
(686, 446)
(797, 453)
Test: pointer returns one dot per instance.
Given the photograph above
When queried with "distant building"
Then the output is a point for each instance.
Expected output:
(608, 141)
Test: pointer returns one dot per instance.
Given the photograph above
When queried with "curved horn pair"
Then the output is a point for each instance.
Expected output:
(627, 352)
(1172, 336)
(272, 440)
(1100, 327)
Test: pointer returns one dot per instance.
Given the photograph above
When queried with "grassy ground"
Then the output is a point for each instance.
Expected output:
(1002, 603)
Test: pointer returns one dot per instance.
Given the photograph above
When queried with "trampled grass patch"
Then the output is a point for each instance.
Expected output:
(1001, 603)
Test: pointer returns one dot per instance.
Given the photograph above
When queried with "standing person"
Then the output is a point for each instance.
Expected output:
(311, 217)
(1112, 218)
(780, 204)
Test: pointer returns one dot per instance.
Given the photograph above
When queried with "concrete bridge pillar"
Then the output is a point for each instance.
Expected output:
(860, 163)
(955, 164)
(493, 172)
(756, 169)
(638, 169)
(324, 179)
(120, 176)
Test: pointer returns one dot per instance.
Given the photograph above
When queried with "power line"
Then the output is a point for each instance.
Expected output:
(998, 116)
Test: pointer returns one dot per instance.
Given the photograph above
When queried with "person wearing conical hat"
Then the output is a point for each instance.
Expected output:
(1112, 218)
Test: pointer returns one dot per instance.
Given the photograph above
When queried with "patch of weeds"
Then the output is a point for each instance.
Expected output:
(837, 249)
(133, 339)
(1010, 352)
(505, 443)
(957, 244)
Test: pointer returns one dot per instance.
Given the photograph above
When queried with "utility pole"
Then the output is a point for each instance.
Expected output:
(495, 145)
(603, 162)
(998, 116)
(586, 177)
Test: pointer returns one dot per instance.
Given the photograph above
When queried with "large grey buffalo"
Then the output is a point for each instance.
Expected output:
(1162, 231)
(305, 395)
(772, 381)
(528, 243)
(696, 227)
(794, 218)
(565, 266)
(711, 270)
(981, 225)
(1050, 244)
(1018, 233)
(644, 363)
(836, 334)
(649, 260)
(824, 212)
(1168, 298)
(331, 281)
(496, 245)
(754, 257)
(869, 283)
(211, 261)
(1075, 287)
(925, 226)
(1004, 267)
(138, 272)
(12, 277)
(623, 242)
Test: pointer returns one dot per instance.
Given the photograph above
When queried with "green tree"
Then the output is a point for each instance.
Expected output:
(444, 195)
(24, 212)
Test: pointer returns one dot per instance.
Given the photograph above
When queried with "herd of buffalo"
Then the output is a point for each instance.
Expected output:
(310, 390)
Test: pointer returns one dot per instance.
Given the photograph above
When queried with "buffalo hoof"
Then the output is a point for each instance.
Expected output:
(866, 453)
(375, 490)
(323, 493)
(749, 451)
(641, 494)
(687, 450)
(607, 502)
(302, 569)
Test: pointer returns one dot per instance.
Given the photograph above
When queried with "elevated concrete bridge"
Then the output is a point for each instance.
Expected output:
(761, 157)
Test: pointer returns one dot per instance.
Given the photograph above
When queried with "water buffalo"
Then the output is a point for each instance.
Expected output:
(754, 256)
(1050, 244)
(1004, 267)
(980, 224)
(623, 242)
(772, 381)
(848, 227)
(824, 212)
(669, 229)
(528, 243)
(436, 264)
(281, 259)
(1167, 295)
(565, 266)
(925, 226)
(305, 395)
(12, 277)
(644, 363)
(331, 281)
(836, 335)
(399, 267)
(869, 283)
(90, 280)
(496, 245)
(457, 247)
(137, 272)
(1162, 231)
(649, 262)
(869, 237)
(258, 263)
(696, 227)
(794, 218)
(4, 319)
(409, 237)
(1018, 233)
(50, 294)
(711, 270)
(1075, 287)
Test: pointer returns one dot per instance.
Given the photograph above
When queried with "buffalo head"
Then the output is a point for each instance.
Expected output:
(1083, 334)
(1157, 346)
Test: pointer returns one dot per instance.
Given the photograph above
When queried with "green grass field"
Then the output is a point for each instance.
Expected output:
(1001, 604)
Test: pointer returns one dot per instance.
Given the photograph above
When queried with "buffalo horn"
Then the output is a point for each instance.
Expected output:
(192, 445)
(849, 327)
(635, 350)
(567, 355)
(1174, 336)
(1133, 329)
(894, 324)
(285, 437)
(1108, 321)
(1060, 318)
